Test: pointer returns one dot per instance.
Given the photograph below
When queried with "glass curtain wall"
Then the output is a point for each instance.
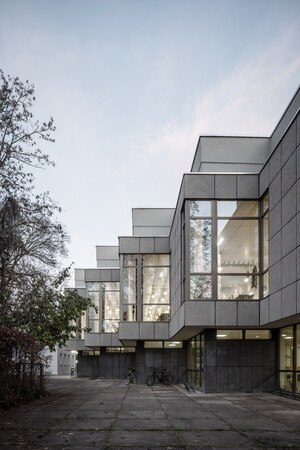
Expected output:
(195, 347)
(93, 292)
(265, 245)
(289, 358)
(106, 297)
(110, 307)
(146, 287)
(224, 250)
(156, 288)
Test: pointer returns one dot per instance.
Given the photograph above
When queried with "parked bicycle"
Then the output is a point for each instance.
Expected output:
(162, 375)
(131, 377)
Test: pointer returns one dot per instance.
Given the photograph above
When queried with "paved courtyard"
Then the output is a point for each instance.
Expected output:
(85, 414)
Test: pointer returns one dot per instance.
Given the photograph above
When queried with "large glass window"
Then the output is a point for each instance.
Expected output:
(224, 250)
(93, 292)
(146, 287)
(110, 307)
(265, 245)
(286, 343)
(200, 250)
(129, 279)
(155, 287)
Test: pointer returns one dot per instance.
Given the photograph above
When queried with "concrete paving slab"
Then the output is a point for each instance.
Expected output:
(85, 414)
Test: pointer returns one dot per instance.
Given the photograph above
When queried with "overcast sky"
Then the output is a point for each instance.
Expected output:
(132, 84)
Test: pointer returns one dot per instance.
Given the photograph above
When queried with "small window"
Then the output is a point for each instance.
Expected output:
(120, 349)
(173, 344)
(257, 334)
(229, 334)
(153, 344)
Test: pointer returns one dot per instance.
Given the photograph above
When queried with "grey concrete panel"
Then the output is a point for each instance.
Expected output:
(275, 306)
(162, 245)
(289, 268)
(129, 245)
(247, 186)
(108, 263)
(115, 342)
(231, 149)
(106, 339)
(230, 168)
(298, 297)
(156, 217)
(289, 300)
(275, 277)
(161, 330)
(147, 245)
(106, 274)
(264, 180)
(289, 173)
(92, 275)
(147, 330)
(222, 353)
(92, 339)
(81, 292)
(226, 313)
(289, 236)
(298, 263)
(289, 142)
(210, 380)
(211, 353)
(248, 313)
(245, 380)
(234, 353)
(200, 313)
(199, 186)
(275, 191)
(129, 330)
(275, 220)
(298, 229)
(246, 354)
(225, 186)
(298, 195)
(257, 379)
(286, 119)
(264, 311)
(298, 129)
(115, 275)
(222, 379)
(275, 163)
(275, 249)
(298, 160)
(107, 252)
(151, 231)
(270, 354)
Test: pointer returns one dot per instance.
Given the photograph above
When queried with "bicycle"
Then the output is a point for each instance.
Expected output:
(166, 377)
(131, 377)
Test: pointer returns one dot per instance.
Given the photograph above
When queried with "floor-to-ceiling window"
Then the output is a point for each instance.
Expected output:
(146, 287)
(224, 250)
(289, 358)
(105, 315)
(195, 360)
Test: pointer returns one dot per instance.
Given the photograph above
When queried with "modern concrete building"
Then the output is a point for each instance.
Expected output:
(211, 286)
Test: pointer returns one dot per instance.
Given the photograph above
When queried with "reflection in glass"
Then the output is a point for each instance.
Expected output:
(129, 260)
(298, 348)
(94, 326)
(156, 260)
(265, 203)
(93, 287)
(200, 245)
(265, 280)
(229, 334)
(156, 313)
(156, 285)
(200, 286)
(266, 242)
(110, 310)
(200, 208)
(286, 381)
(238, 287)
(129, 285)
(238, 208)
(238, 246)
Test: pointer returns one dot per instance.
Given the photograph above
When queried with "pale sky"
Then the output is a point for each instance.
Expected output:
(132, 84)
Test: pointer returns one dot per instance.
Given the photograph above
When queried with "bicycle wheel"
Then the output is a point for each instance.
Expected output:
(128, 379)
(168, 379)
(150, 380)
